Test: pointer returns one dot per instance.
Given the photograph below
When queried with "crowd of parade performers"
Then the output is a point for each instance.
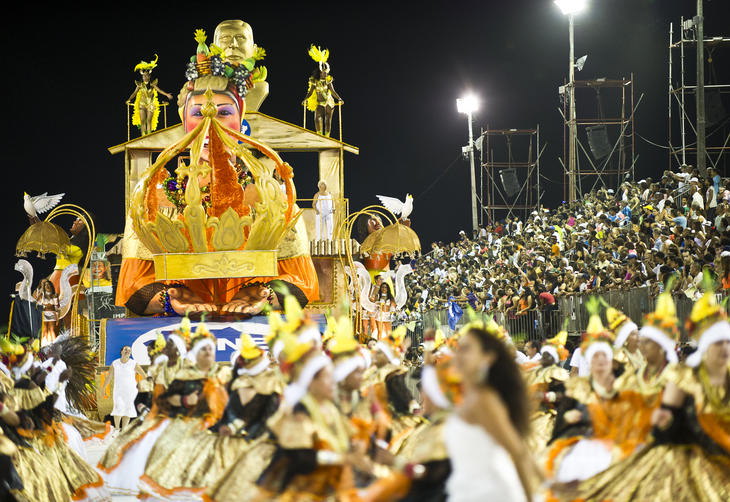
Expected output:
(318, 416)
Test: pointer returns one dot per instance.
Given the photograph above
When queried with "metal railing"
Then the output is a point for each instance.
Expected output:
(541, 324)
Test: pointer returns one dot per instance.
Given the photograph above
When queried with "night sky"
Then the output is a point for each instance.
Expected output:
(399, 66)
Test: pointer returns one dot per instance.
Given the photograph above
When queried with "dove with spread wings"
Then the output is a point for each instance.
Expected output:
(40, 204)
(401, 209)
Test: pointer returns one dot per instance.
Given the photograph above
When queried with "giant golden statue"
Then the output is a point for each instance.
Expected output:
(235, 38)
(222, 231)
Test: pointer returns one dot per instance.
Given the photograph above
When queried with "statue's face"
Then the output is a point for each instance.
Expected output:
(228, 114)
(236, 41)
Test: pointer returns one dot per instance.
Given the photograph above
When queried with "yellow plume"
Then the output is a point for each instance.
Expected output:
(559, 340)
(248, 348)
(294, 350)
(159, 344)
(343, 340)
(144, 65)
(398, 334)
(319, 55)
(665, 307)
(293, 313)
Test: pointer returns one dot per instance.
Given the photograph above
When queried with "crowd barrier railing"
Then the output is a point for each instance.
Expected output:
(571, 310)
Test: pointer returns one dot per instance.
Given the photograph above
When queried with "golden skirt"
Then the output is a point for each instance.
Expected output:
(42, 480)
(189, 458)
(669, 473)
(125, 440)
(238, 483)
(542, 424)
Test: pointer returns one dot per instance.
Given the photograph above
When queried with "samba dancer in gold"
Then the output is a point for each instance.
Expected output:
(690, 457)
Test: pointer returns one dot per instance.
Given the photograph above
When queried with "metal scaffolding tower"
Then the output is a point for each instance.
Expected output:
(506, 184)
(605, 162)
(683, 86)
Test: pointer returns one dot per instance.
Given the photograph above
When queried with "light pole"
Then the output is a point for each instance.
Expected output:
(468, 105)
(570, 8)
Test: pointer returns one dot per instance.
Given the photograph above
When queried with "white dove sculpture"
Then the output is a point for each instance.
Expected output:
(40, 203)
(402, 209)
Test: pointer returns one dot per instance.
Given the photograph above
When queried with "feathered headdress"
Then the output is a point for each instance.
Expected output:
(660, 326)
(200, 339)
(147, 66)
(618, 322)
(555, 346)
(247, 348)
(159, 345)
(707, 323)
(342, 341)
(597, 337)
(320, 56)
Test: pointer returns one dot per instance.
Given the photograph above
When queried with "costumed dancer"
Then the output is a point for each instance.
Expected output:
(195, 400)
(137, 288)
(689, 459)
(321, 96)
(314, 459)
(71, 368)
(602, 418)
(47, 298)
(546, 385)
(422, 466)
(122, 377)
(146, 105)
(125, 458)
(386, 308)
(485, 436)
(49, 468)
(146, 386)
(255, 395)
(626, 345)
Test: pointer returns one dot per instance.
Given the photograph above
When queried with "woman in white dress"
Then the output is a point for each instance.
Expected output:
(122, 377)
(485, 437)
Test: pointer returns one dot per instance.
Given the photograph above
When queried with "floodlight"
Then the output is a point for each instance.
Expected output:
(571, 6)
(468, 104)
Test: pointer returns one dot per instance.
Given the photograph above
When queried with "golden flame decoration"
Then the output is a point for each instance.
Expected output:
(229, 224)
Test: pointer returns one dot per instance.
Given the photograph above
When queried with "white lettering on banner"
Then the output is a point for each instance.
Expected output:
(223, 343)
(139, 347)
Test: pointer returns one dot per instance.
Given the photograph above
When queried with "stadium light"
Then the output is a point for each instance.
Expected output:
(570, 7)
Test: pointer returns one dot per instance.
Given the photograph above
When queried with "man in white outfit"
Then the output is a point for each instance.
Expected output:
(324, 209)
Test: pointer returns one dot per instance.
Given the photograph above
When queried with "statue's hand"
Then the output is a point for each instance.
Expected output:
(249, 300)
(183, 301)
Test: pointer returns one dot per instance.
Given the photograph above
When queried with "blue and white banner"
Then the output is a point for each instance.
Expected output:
(139, 332)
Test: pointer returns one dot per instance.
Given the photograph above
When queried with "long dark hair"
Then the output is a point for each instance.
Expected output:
(504, 377)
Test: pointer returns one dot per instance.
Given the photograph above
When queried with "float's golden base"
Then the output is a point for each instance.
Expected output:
(215, 265)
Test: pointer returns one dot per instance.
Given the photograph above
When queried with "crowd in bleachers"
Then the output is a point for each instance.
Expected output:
(637, 236)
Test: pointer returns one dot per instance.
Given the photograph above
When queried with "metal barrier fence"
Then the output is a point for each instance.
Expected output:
(541, 324)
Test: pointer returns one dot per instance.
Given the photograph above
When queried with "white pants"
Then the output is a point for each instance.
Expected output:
(323, 224)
